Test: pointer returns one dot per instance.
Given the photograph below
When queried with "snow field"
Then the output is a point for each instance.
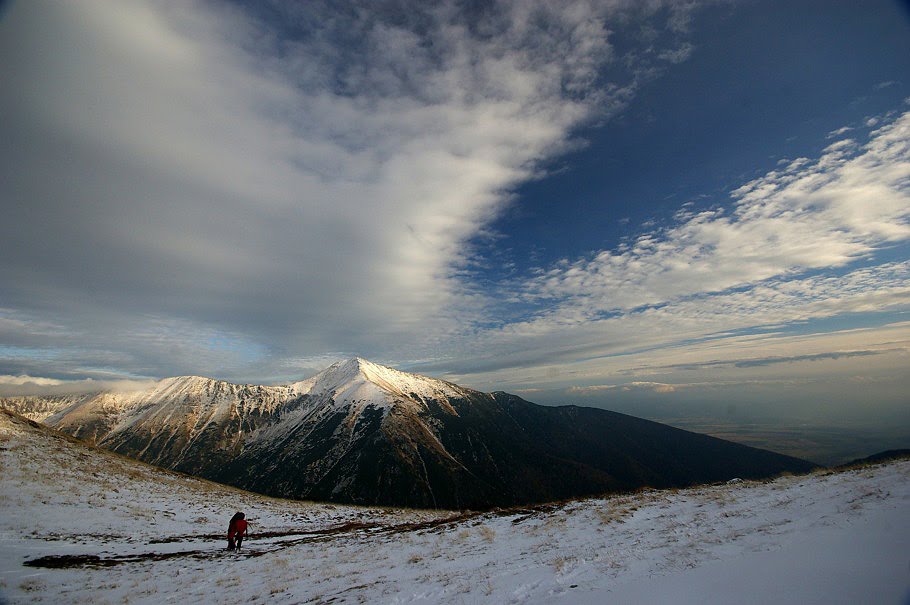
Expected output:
(819, 538)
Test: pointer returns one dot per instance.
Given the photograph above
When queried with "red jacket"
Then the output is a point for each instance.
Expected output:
(237, 528)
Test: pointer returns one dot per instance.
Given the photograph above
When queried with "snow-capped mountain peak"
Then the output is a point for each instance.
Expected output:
(362, 432)
(360, 380)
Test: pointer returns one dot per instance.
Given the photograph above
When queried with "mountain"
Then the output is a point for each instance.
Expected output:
(39, 408)
(76, 519)
(878, 457)
(360, 432)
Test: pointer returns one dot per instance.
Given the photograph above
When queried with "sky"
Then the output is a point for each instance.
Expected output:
(659, 207)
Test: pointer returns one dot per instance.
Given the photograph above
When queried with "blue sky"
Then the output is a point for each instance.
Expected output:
(608, 203)
(763, 81)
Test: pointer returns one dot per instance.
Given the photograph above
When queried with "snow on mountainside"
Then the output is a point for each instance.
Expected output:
(100, 528)
(355, 381)
(359, 432)
(355, 385)
(175, 421)
(358, 379)
(223, 431)
(41, 408)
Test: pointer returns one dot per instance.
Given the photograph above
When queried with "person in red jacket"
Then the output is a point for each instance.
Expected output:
(236, 531)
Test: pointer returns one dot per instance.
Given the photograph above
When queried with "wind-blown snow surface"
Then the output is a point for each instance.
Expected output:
(823, 538)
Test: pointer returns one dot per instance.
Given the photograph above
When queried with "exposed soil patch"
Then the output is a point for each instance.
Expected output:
(95, 561)
(304, 536)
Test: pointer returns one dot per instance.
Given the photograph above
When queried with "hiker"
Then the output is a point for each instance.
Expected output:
(236, 531)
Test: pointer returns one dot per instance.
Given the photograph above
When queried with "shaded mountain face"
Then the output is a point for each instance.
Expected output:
(363, 433)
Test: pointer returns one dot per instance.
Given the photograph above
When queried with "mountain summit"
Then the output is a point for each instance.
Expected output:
(364, 433)
(360, 380)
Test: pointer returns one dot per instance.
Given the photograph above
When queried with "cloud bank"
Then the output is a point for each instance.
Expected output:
(799, 244)
(189, 187)
(252, 193)
(22, 385)
(812, 214)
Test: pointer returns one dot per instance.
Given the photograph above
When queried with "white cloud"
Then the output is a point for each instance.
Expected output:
(184, 191)
(6, 379)
(677, 55)
(22, 385)
(818, 215)
(837, 132)
(528, 391)
(800, 244)
(656, 387)
(181, 164)
(676, 351)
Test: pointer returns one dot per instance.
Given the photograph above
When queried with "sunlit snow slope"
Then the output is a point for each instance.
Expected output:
(81, 525)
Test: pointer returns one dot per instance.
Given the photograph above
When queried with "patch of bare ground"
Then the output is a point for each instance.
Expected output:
(71, 561)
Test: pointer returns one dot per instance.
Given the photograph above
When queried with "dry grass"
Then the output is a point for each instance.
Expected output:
(487, 533)
(277, 589)
(724, 497)
(32, 585)
(616, 511)
(228, 581)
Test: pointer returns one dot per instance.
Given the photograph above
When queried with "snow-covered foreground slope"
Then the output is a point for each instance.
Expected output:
(138, 534)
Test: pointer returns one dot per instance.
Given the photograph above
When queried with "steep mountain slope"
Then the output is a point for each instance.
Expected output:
(363, 433)
(187, 423)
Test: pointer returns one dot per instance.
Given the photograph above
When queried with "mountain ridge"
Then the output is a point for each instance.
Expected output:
(360, 432)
